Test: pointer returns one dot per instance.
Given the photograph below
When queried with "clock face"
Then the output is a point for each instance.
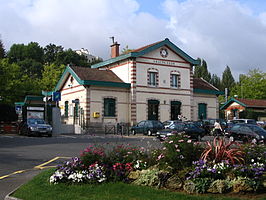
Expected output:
(164, 52)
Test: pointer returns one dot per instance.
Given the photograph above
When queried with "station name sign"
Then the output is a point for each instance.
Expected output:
(163, 62)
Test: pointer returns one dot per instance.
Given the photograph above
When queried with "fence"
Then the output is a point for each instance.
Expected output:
(118, 129)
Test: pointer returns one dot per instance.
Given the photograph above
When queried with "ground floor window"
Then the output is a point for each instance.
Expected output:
(153, 109)
(175, 110)
(202, 111)
(109, 107)
(66, 108)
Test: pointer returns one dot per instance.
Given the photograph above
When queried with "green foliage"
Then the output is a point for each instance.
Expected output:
(251, 85)
(201, 71)
(148, 177)
(255, 153)
(50, 53)
(202, 184)
(14, 84)
(179, 152)
(228, 80)
(71, 57)
(50, 76)
(126, 50)
(2, 50)
(216, 81)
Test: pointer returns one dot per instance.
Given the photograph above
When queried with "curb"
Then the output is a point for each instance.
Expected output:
(9, 197)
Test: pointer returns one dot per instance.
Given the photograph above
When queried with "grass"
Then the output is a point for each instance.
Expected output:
(39, 188)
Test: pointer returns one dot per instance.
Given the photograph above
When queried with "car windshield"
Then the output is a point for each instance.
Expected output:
(36, 121)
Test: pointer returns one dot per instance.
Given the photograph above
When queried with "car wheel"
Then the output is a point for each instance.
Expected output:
(231, 139)
(133, 132)
(149, 133)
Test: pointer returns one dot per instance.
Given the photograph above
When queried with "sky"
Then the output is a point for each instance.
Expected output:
(222, 32)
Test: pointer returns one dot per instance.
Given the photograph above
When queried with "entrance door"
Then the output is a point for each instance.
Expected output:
(175, 109)
(202, 111)
(153, 108)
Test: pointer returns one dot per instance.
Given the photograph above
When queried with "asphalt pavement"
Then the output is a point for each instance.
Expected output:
(21, 157)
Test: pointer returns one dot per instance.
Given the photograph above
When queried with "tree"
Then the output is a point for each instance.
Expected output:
(228, 80)
(2, 50)
(216, 81)
(201, 71)
(51, 52)
(71, 57)
(50, 76)
(14, 84)
(126, 50)
(251, 86)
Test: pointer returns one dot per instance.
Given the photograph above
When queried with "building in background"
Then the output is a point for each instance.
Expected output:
(90, 58)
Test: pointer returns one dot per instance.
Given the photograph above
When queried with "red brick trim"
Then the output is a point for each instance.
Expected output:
(73, 92)
(164, 60)
(163, 65)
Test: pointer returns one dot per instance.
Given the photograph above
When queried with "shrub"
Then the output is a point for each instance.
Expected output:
(178, 152)
(93, 154)
(219, 150)
(255, 153)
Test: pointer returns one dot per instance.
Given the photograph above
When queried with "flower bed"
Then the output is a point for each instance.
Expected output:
(217, 167)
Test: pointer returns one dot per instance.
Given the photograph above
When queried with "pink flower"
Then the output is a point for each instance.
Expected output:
(160, 157)
(189, 141)
(170, 141)
(180, 140)
(177, 150)
(176, 145)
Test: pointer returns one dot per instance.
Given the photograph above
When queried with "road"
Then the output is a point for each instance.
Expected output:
(20, 155)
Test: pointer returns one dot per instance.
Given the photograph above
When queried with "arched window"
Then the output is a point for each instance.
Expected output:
(153, 77)
(175, 79)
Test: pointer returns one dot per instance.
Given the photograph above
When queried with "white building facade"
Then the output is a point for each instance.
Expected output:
(153, 82)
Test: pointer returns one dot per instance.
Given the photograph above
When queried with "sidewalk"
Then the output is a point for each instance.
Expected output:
(13, 182)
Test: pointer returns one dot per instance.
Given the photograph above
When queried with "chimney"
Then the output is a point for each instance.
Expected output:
(114, 50)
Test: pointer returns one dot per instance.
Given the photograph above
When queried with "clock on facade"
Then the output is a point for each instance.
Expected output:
(164, 52)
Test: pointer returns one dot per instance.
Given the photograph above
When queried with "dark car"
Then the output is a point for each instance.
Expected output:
(35, 127)
(208, 124)
(186, 127)
(169, 123)
(246, 133)
(147, 127)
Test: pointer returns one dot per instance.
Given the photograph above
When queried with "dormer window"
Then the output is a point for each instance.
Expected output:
(153, 77)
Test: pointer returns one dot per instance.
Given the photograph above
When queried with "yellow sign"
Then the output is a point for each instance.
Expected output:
(96, 114)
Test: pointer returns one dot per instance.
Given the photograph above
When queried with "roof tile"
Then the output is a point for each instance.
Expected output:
(253, 102)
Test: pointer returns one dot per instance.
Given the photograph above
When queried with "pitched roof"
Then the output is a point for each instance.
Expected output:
(146, 49)
(253, 102)
(88, 76)
(202, 86)
(200, 83)
(85, 73)
(249, 103)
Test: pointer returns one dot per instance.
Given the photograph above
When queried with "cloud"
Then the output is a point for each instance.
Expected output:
(82, 23)
(223, 32)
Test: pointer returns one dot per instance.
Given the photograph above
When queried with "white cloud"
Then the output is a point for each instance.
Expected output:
(83, 23)
(223, 32)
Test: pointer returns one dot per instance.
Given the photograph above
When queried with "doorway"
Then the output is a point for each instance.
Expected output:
(175, 110)
(153, 109)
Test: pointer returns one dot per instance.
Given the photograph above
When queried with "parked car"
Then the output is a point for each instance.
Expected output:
(35, 127)
(169, 123)
(245, 121)
(208, 125)
(262, 124)
(188, 128)
(147, 127)
(246, 133)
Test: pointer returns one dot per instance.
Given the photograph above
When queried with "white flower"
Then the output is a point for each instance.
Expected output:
(252, 160)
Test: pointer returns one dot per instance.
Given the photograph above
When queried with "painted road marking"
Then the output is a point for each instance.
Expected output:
(17, 172)
(67, 136)
(41, 166)
(6, 136)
